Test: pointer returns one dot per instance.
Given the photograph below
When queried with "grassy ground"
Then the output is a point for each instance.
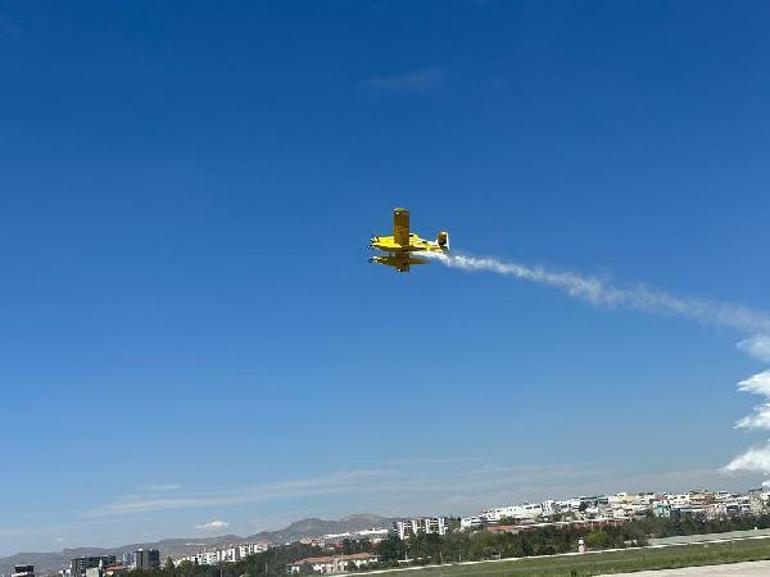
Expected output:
(607, 563)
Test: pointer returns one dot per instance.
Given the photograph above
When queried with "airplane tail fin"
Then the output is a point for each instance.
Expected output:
(443, 240)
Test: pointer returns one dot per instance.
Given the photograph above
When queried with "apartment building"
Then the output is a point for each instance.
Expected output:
(80, 565)
(405, 528)
(23, 571)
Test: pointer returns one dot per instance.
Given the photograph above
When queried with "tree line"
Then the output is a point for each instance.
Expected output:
(470, 546)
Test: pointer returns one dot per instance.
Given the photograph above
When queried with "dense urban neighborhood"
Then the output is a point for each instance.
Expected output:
(552, 526)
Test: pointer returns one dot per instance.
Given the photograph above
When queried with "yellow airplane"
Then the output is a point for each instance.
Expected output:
(402, 246)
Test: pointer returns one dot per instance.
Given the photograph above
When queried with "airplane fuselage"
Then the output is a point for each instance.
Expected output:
(403, 247)
(416, 244)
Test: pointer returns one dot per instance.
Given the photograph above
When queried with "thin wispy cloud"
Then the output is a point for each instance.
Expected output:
(413, 81)
(452, 487)
(434, 461)
(162, 488)
(323, 485)
(10, 532)
(431, 481)
(757, 346)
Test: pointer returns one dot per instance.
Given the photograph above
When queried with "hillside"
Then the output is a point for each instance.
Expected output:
(314, 527)
(46, 563)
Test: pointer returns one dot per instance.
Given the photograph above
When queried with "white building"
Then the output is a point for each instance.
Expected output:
(550, 507)
(473, 522)
(226, 554)
(373, 534)
(333, 564)
(246, 549)
(527, 511)
(419, 525)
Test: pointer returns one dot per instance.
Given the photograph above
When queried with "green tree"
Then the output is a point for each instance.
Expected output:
(597, 539)
(390, 549)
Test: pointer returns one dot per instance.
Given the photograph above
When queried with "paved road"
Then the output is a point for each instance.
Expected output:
(751, 569)
(755, 568)
(687, 539)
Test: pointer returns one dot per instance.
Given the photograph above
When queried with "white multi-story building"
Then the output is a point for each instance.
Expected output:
(373, 534)
(247, 549)
(419, 525)
(678, 499)
(528, 511)
(551, 507)
(226, 554)
(473, 522)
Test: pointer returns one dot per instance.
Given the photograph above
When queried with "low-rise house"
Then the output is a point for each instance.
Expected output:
(332, 564)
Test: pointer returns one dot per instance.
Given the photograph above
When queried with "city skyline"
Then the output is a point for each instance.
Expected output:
(488, 487)
(595, 508)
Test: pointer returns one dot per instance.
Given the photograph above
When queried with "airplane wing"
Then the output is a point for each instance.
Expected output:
(401, 226)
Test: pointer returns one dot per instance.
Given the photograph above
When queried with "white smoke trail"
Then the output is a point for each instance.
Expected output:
(599, 293)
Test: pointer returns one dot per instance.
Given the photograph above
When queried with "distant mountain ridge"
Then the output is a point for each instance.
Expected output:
(46, 563)
(314, 527)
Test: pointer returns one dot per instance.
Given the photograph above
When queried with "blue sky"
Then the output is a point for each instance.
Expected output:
(189, 329)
